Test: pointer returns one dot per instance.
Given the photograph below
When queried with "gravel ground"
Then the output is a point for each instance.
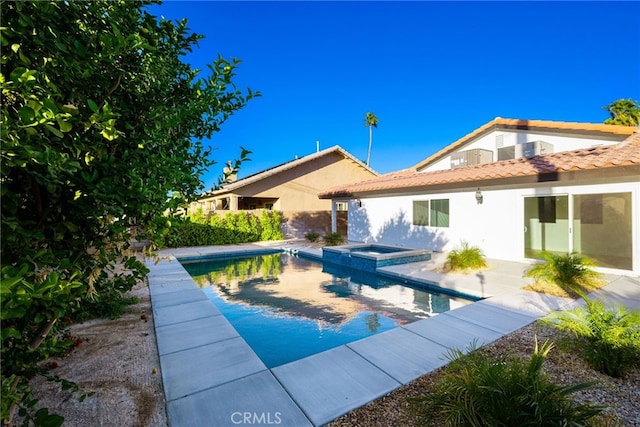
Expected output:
(621, 396)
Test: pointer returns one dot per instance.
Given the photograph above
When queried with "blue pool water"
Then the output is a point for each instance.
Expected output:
(287, 307)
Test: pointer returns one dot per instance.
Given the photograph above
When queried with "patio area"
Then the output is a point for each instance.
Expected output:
(212, 377)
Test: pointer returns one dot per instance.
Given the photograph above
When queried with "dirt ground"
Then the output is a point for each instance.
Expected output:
(118, 361)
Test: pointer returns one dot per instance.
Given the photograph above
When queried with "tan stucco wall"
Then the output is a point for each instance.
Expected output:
(296, 189)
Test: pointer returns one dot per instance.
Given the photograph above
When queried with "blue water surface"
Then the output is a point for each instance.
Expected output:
(287, 308)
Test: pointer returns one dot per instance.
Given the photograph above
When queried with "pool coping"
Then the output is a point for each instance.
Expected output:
(315, 390)
(353, 256)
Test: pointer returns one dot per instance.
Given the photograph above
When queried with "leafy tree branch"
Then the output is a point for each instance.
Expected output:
(101, 120)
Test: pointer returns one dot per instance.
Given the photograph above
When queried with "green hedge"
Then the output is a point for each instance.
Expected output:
(233, 228)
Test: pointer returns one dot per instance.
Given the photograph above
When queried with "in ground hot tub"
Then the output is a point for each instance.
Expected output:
(369, 257)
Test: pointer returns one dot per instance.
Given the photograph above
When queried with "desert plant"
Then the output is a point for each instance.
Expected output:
(312, 236)
(608, 337)
(333, 239)
(465, 257)
(478, 390)
(571, 272)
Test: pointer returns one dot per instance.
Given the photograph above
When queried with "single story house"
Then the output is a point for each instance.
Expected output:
(514, 188)
(292, 188)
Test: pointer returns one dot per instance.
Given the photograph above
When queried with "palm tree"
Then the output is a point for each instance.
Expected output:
(625, 112)
(370, 120)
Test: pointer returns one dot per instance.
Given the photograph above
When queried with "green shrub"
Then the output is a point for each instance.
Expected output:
(254, 226)
(607, 337)
(230, 221)
(478, 390)
(110, 305)
(216, 221)
(465, 258)
(333, 239)
(312, 236)
(571, 272)
(246, 225)
(198, 216)
(232, 228)
(270, 224)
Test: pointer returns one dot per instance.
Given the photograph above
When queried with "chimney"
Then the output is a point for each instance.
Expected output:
(232, 177)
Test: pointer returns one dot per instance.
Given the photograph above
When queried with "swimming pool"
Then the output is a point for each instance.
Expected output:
(288, 307)
(369, 257)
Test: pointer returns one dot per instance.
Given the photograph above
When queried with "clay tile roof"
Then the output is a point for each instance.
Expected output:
(624, 153)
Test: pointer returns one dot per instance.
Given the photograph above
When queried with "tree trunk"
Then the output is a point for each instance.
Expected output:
(370, 138)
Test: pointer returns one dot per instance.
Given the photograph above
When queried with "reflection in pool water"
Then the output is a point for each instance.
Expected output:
(287, 307)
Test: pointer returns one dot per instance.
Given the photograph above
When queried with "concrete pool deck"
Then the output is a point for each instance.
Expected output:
(212, 377)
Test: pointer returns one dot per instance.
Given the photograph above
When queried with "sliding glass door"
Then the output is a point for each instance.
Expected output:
(546, 225)
(602, 228)
(595, 225)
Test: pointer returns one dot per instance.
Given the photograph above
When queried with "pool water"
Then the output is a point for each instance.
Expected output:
(288, 307)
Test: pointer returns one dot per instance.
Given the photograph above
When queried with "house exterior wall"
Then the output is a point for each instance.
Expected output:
(291, 190)
(297, 189)
(298, 224)
(496, 226)
(506, 138)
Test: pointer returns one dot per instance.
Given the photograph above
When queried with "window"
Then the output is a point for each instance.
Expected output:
(342, 206)
(421, 212)
(434, 213)
(591, 208)
(439, 213)
(547, 209)
(603, 228)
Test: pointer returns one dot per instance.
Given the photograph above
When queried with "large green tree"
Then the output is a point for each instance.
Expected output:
(101, 120)
(625, 112)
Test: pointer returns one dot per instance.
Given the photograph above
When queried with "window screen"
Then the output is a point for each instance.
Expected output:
(421, 212)
(440, 213)
(431, 212)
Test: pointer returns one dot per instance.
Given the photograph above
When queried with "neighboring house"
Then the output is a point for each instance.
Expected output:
(292, 188)
(514, 188)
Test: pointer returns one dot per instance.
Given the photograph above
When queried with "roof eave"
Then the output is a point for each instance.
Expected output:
(609, 173)
(230, 187)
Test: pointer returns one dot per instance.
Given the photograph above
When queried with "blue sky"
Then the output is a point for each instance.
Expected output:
(431, 71)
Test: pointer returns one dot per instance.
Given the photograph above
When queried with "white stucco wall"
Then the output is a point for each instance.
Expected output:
(509, 138)
(496, 225)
